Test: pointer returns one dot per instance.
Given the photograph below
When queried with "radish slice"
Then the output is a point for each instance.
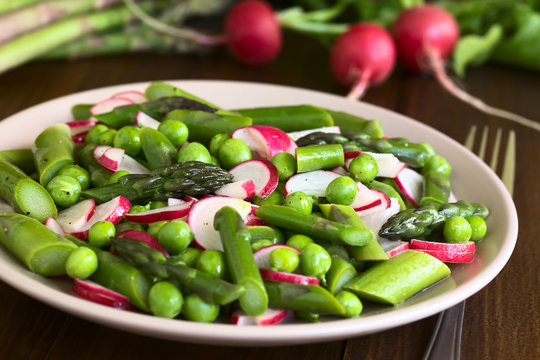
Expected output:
(288, 277)
(388, 165)
(266, 141)
(395, 247)
(311, 182)
(384, 204)
(365, 198)
(145, 238)
(376, 220)
(99, 151)
(53, 225)
(136, 96)
(263, 173)
(146, 120)
(270, 317)
(111, 158)
(94, 292)
(450, 256)
(79, 129)
(108, 105)
(76, 216)
(295, 135)
(115, 159)
(242, 189)
(262, 256)
(201, 219)
(166, 213)
(411, 185)
(469, 246)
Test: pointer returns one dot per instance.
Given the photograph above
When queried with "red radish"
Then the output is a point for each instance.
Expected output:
(383, 204)
(145, 120)
(115, 159)
(450, 256)
(79, 129)
(362, 56)
(145, 238)
(311, 182)
(111, 158)
(388, 164)
(262, 256)
(76, 216)
(263, 173)
(411, 185)
(425, 37)
(253, 32)
(375, 220)
(112, 211)
(166, 213)
(136, 96)
(270, 317)
(54, 226)
(243, 189)
(365, 198)
(469, 246)
(266, 141)
(253, 220)
(201, 219)
(288, 277)
(89, 290)
(295, 135)
(108, 105)
(174, 201)
(395, 248)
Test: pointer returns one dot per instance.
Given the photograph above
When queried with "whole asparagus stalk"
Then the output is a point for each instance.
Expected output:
(28, 18)
(410, 224)
(192, 178)
(37, 43)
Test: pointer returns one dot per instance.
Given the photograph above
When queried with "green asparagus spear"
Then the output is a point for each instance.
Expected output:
(24, 194)
(157, 148)
(53, 149)
(310, 298)
(81, 111)
(9, 5)
(21, 158)
(39, 248)
(340, 273)
(415, 223)
(240, 261)
(436, 181)
(153, 262)
(126, 115)
(192, 178)
(289, 118)
(351, 123)
(400, 277)
(314, 226)
(388, 190)
(262, 232)
(315, 157)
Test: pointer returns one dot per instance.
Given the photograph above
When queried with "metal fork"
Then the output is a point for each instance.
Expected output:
(445, 342)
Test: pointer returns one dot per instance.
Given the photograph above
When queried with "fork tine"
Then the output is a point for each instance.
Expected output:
(496, 148)
(509, 166)
(469, 141)
(483, 143)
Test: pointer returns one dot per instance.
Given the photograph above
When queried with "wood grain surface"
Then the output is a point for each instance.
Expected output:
(502, 321)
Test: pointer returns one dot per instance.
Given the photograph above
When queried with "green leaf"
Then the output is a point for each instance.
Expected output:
(475, 49)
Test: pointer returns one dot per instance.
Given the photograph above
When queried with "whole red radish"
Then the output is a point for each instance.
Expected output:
(253, 32)
(425, 37)
(363, 56)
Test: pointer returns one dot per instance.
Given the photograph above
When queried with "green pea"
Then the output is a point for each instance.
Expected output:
(233, 152)
(212, 262)
(99, 177)
(139, 208)
(187, 257)
(64, 190)
(363, 168)
(216, 142)
(478, 227)
(100, 234)
(153, 228)
(299, 241)
(175, 236)
(176, 131)
(158, 204)
(275, 198)
(315, 260)
(113, 179)
(284, 259)
(457, 230)
(196, 309)
(77, 172)
(81, 263)
(194, 152)
(128, 225)
(214, 161)
(285, 164)
(341, 190)
(106, 137)
(259, 244)
(92, 135)
(165, 300)
(299, 201)
(439, 164)
(129, 139)
(351, 303)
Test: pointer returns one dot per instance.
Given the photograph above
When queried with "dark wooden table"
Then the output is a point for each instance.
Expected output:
(502, 321)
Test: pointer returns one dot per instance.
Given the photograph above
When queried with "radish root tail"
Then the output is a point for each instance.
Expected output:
(360, 86)
(437, 65)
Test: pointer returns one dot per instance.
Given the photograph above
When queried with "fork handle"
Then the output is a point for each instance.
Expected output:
(445, 343)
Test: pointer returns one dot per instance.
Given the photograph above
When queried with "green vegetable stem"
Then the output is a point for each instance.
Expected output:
(316, 157)
(157, 149)
(21, 158)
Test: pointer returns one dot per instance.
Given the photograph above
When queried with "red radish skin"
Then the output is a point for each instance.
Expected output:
(399, 247)
(270, 317)
(411, 185)
(107, 105)
(278, 276)
(243, 189)
(145, 238)
(263, 173)
(98, 294)
(450, 256)
(425, 37)
(363, 56)
(469, 246)
(253, 32)
(171, 212)
(136, 96)
(265, 141)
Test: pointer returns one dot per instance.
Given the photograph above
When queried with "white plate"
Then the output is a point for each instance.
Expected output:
(472, 180)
